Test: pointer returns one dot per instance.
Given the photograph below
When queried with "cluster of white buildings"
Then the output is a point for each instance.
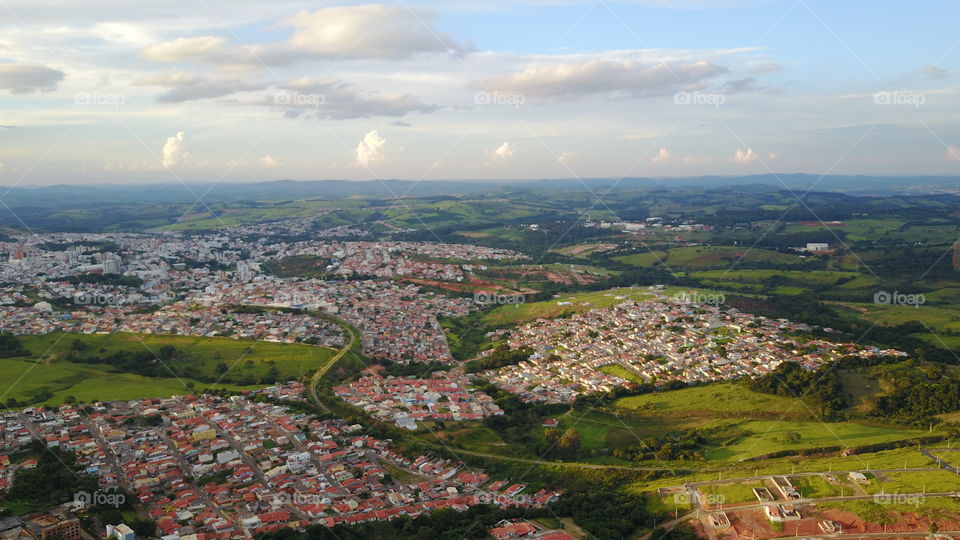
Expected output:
(192, 285)
(406, 401)
(659, 340)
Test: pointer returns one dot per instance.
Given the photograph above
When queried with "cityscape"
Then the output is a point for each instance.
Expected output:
(527, 270)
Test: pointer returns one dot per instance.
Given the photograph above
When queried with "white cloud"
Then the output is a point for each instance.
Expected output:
(623, 77)
(270, 161)
(2, 168)
(567, 157)
(198, 49)
(744, 157)
(339, 100)
(189, 87)
(773, 155)
(175, 151)
(370, 150)
(766, 67)
(502, 153)
(933, 72)
(368, 31)
(953, 153)
(662, 156)
(23, 79)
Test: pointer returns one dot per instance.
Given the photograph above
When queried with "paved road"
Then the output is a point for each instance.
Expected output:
(188, 470)
(946, 465)
(301, 447)
(354, 340)
(532, 461)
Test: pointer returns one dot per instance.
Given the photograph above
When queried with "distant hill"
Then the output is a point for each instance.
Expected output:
(68, 196)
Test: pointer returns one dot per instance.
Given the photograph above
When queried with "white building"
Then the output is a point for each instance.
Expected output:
(120, 532)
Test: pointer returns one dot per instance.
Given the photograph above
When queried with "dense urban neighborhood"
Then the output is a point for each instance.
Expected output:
(285, 379)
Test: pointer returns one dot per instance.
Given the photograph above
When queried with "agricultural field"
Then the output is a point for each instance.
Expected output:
(763, 281)
(936, 318)
(698, 258)
(45, 371)
(584, 250)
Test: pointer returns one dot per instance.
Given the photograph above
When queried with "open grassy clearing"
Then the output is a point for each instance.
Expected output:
(800, 277)
(714, 401)
(23, 380)
(937, 318)
(818, 487)
(765, 437)
(619, 371)
(45, 369)
(906, 457)
(915, 482)
(702, 257)
(736, 492)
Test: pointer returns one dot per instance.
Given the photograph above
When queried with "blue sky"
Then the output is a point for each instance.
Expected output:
(247, 91)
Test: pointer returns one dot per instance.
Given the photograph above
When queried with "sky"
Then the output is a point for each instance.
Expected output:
(113, 91)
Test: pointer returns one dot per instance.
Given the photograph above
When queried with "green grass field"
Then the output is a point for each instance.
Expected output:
(736, 492)
(817, 487)
(937, 318)
(619, 371)
(915, 482)
(46, 370)
(703, 257)
(720, 400)
(772, 436)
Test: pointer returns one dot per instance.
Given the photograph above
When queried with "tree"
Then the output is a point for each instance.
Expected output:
(569, 444)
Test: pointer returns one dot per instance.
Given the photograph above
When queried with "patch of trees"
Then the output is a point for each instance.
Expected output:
(11, 346)
(563, 444)
(822, 388)
(686, 445)
(917, 392)
(416, 370)
(54, 481)
(608, 512)
(519, 421)
(500, 357)
(106, 279)
(466, 335)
